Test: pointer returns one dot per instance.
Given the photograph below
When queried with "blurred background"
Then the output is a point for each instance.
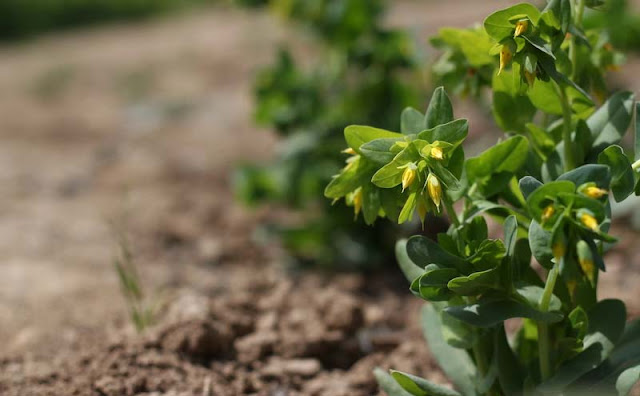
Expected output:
(163, 152)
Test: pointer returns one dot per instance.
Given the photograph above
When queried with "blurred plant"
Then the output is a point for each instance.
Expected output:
(362, 72)
(619, 22)
(548, 182)
(141, 313)
(24, 18)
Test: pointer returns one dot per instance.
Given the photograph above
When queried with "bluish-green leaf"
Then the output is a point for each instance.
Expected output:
(412, 121)
(627, 380)
(453, 132)
(410, 270)
(421, 387)
(489, 312)
(440, 110)
(528, 184)
(424, 251)
(610, 122)
(379, 150)
(622, 177)
(455, 363)
(388, 384)
(599, 174)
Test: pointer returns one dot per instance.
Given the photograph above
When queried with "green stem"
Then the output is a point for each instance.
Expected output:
(569, 160)
(479, 357)
(573, 54)
(636, 165)
(453, 216)
(544, 339)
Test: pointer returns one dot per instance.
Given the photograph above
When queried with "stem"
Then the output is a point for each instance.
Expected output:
(479, 357)
(569, 160)
(573, 55)
(544, 342)
(450, 211)
(636, 165)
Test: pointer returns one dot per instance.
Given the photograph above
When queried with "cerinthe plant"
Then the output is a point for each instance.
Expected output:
(549, 182)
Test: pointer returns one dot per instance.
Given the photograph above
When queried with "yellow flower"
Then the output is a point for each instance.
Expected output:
(547, 213)
(521, 27)
(422, 209)
(436, 153)
(408, 176)
(505, 57)
(589, 221)
(349, 151)
(357, 201)
(530, 77)
(585, 258)
(595, 192)
(434, 188)
(559, 246)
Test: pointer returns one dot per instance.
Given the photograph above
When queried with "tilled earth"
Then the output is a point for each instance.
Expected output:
(136, 129)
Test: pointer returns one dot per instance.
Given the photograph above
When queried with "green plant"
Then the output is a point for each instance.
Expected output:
(141, 313)
(363, 75)
(549, 182)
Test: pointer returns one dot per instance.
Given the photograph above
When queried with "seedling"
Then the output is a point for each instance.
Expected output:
(549, 182)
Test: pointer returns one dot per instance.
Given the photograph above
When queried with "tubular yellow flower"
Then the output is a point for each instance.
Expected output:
(595, 192)
(547, 213)
(559, 246)
(408, 176)
(521, 27)
(349, 151)
(530, 77)
(422, 209)
(589, 221)
(505, 57)
(434, 188)
(585, 258)
(357, 201)
(436, 153)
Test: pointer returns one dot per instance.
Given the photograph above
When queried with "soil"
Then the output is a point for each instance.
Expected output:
(135, 130)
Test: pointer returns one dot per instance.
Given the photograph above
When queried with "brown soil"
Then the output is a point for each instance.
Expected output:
(140, 126)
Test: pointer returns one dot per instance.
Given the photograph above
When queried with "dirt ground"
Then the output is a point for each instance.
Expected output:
(136, 128)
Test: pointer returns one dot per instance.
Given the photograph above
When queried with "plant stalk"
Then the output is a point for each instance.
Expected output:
(569, 160)
(636, 165)
(544, 341)
(573, 52)
(453, 216)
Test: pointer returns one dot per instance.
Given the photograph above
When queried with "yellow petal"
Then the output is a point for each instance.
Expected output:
(434, 188)
(521, 27)
(595, 192)
(589, 221)
(436, 153)
(408, 177)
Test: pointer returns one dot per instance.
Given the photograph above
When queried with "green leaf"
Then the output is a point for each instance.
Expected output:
(606, 325)
(544, 97)
(599, 174)
(370, 203)
(358, 174)
(432, 286)
(474, 44)
(637, 137)
(453, 132)
(456, 333)
(357, 135)
(410, 270)
(510, 373)
(610, 122)
(440, 110)
(476, 283)
(406, 214)
(388, 384)
(501, 25)
(528, 184)
(540, 244)
(627, 380)
(493, 169)
(412, 121)
(379, 150)
(622, 177)
(540, 198)
(455, 363)
(424, 251)
(421, 387)
(390, 175)
(489, 312)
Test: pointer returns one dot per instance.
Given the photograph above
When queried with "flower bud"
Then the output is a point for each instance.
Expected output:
(595, 192)
(357, 201)
(547, 213)
(521, 27)
(408, 176)
(349, 151)
(530, 77)
(422, 209)
(505, 57)
(434, 188)
(559, 246)
(585, 258)
(437, 153)
(588, 220)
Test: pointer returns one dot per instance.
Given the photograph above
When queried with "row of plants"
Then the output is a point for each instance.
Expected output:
(20, 19)
(549, 182)
(359, 71)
